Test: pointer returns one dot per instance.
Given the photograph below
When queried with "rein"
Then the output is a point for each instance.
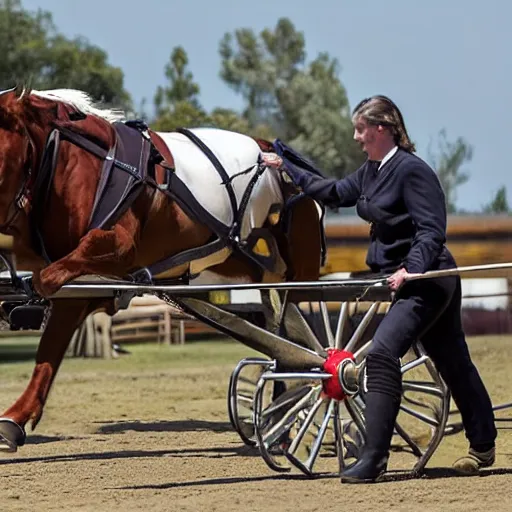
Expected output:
(24, 196)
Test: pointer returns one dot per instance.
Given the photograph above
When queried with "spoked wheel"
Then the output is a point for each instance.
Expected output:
(322, 411)
(242, 386)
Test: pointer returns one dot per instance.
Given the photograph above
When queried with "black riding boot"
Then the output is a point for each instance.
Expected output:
(384, 384)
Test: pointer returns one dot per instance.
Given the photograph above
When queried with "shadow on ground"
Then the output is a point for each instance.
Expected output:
(119, 427)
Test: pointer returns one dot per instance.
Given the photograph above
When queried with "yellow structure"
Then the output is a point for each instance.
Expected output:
(473, 240)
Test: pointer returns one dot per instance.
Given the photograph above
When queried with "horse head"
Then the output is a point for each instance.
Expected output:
(15, 155)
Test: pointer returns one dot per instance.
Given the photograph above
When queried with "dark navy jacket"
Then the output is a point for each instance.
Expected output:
(405, 205)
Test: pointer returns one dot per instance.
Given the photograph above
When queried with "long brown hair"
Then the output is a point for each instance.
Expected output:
(381, 110)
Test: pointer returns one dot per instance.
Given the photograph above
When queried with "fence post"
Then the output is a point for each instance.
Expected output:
(509, 301)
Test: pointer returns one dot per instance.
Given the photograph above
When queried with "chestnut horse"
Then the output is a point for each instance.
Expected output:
(153, 227)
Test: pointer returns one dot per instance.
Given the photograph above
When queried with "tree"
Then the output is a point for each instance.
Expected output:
(499, 204)
(182, 114)
(305, 104)
(77, 64)
(228, 119)
(448, 161)
(177, 103)
(35, 54)
(318, 121)
(258, 68)
(181, 88)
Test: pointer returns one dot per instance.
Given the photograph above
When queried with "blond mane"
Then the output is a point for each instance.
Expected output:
(82, 102)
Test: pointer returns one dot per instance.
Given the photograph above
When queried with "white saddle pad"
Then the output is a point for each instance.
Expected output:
(236, 153)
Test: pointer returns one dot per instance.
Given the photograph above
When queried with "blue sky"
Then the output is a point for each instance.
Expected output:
(446, 63)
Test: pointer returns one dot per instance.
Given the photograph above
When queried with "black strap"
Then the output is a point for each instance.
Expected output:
(45, 175)
(96, 150)
(41, 192)
(146, 274)
(83, 142)
(237, 224)
(218, 166)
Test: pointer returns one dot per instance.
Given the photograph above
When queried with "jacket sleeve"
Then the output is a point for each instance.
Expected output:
(425, 201)
(329, 191)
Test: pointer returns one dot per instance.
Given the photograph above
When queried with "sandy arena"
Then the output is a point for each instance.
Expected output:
(150, 431)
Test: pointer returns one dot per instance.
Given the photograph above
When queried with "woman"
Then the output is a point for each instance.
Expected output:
(401, 197)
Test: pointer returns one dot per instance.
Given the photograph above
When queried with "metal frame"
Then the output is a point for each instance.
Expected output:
(17, 286)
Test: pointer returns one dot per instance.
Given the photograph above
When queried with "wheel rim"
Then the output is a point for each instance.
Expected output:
(242, 385)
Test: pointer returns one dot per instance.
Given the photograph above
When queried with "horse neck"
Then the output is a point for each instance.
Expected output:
(77, 172)
(26, 257)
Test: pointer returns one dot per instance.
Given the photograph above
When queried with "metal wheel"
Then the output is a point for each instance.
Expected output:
(242, 385)
(321, 413)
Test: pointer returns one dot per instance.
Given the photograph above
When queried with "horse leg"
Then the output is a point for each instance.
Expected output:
(304, 241)
(102, 252)
(65, 317)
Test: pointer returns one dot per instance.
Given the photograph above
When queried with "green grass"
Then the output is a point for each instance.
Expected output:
(17, 357)
(17, 354)
(18, 347)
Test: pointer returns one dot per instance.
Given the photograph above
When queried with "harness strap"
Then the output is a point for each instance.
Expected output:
(117, 191)
(99, 217)
(237, 224)
(41, 192)
(146, 274)
(178, 191)
(108, 208)
(218, 166)
(82, 142)
(105, 174)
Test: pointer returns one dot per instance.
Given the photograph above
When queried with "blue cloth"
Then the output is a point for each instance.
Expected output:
(295, 163)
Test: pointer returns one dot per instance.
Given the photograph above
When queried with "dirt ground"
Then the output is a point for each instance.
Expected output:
(150, 431)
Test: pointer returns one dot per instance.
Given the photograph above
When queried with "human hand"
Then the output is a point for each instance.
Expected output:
(272, 160)
(397, 279)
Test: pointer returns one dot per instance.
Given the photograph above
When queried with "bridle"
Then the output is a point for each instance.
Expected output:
(24, 196)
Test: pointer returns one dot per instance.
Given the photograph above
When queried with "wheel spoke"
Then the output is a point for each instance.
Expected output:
(340, 327)
(326, 323)
(405, 436)
(307, 466)
(361, 328)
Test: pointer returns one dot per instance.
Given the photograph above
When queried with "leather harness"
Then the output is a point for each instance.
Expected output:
(129, 167)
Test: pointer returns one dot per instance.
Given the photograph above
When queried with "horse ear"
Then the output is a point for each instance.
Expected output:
(21, 92)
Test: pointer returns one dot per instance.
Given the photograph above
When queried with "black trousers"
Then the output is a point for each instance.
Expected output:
(430, 310)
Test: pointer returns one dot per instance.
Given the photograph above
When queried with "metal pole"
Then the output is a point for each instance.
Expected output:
(460, 270)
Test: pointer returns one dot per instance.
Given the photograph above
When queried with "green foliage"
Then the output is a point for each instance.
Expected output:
(257, 68)
(305, 104)
(182, 88)
(499, 204)
(228, 119)
(182, 114)
(77, 64)
(35, 54)
(177, 104)
(447, 161)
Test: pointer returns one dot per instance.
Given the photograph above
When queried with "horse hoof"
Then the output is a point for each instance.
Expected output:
(12, 435)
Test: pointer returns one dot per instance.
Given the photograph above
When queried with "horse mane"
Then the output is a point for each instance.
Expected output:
(81, 101)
